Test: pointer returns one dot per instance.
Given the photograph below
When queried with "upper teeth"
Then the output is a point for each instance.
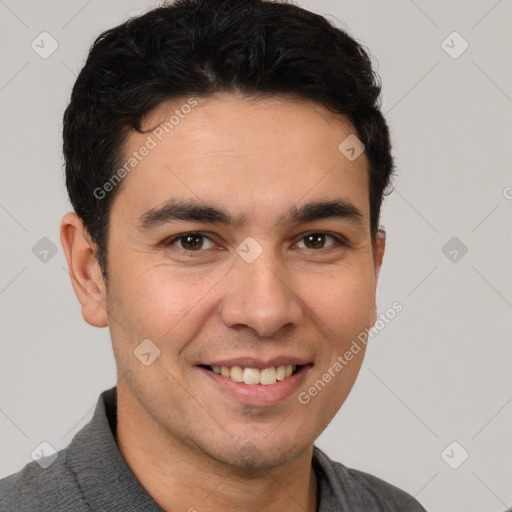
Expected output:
(255, 376)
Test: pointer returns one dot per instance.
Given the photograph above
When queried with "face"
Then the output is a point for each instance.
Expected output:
(242, 239)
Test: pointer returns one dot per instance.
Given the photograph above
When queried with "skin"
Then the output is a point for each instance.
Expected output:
(184, 439)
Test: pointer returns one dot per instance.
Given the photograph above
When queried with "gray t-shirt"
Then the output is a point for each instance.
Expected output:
(92, 475)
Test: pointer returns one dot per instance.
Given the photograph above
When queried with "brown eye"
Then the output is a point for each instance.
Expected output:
(317, 240)
(192, 242)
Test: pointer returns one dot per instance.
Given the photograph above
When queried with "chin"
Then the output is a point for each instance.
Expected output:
(257, 455)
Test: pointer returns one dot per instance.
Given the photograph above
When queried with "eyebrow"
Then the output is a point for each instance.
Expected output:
(186, 210)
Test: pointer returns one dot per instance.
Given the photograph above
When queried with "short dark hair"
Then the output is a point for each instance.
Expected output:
(198, 48)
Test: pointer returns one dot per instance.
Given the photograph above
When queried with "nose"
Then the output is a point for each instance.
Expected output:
(260, 295)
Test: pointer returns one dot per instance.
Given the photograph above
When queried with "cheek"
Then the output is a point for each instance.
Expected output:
(343, 301)
(160, 301)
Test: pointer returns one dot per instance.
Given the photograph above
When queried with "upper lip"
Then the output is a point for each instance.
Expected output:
(252, 362)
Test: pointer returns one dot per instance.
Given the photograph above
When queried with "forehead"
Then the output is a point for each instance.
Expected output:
(242, 152)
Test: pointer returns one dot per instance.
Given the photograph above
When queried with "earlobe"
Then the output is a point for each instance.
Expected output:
(84, 270)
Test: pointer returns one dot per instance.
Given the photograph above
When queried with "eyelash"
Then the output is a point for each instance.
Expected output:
(340, 242)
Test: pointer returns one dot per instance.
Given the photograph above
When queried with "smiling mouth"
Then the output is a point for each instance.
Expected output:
(255, 376)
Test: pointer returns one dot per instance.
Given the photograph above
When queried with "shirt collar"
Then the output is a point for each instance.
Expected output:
(102, 474)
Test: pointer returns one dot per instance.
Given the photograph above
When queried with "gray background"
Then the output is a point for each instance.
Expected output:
(438, 373)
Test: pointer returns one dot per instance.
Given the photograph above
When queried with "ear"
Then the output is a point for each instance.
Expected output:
(378, 252)
(378, 255)
(84, 269)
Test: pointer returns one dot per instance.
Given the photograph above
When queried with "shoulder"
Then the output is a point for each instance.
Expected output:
(38, 489)
(395, 499)
(362, 491)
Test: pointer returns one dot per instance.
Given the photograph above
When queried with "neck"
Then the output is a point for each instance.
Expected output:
(182, 477)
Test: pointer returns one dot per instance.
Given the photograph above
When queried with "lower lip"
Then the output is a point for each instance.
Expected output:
(258, 394)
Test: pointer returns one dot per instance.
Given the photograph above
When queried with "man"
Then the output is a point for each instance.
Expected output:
(226, 161)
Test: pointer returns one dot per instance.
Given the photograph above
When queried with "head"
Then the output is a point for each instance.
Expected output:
(228, 118)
